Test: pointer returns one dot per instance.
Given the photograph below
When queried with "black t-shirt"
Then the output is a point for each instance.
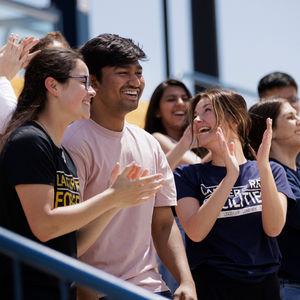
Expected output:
(30, 157)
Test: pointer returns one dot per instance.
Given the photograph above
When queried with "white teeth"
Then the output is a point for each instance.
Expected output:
(131, 93)
(204, 130)
(87, 103)
(179, 113)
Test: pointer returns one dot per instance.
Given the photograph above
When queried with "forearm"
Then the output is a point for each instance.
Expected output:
(88, 234)
(176, 156)
(170, 249)
(200, 223)
(273, 207)
(62, 220)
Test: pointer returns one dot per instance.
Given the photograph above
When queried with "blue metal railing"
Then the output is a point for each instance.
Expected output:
(65, 268)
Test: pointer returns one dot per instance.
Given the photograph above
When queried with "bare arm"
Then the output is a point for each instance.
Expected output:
(274, 203)
(196, 220)
(169, 246)
(47, 223)
(176, 153)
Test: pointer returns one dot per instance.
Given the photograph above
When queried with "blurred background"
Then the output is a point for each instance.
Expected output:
(231, 43)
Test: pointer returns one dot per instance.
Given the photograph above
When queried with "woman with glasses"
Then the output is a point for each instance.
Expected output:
(39, 187)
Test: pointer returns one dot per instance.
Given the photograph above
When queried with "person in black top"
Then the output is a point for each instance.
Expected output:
(39, 187)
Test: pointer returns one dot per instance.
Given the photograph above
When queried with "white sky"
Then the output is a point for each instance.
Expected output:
(254, 37)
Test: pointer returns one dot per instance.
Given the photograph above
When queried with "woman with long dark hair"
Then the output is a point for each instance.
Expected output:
(166, 120)
(39, 187)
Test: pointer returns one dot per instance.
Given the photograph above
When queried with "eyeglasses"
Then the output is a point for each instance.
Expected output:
(293, 99)
(88, 82)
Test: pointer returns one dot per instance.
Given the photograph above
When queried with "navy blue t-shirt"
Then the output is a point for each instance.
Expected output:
(237, 245)
(289, 238)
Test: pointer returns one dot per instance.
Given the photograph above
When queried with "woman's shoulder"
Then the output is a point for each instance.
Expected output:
(161, 137)
(28, 132)
(192, 168)
(29, 137)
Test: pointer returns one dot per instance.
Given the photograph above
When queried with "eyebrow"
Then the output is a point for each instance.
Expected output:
(128, 66)
(288, 113)
(207, 104)
(174, 95)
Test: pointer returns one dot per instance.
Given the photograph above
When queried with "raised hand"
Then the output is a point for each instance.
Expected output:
(228, 154)
(132, 188)
(265, 146)
(187, 138)
(14, 56)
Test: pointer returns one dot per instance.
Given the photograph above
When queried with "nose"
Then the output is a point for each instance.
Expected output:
(134, 81)
(298, 120)
(197, 120)
(91, 92)
(180, 101)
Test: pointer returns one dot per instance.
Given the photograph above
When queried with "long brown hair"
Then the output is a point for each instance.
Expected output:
(228, 105)
(53, 63)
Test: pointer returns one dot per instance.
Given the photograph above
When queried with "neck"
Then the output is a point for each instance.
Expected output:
(285, 156)
(53, 128)
(107, 119)
(217, 155)
(174, 134)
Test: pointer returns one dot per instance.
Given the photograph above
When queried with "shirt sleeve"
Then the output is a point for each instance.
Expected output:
(28, 159)
(167, 195)
(293, 214)
(8, 102)
(184, 186)
(282, 183)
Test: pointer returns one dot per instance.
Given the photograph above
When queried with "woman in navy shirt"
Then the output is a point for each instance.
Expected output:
(285, 147)
(231, 208)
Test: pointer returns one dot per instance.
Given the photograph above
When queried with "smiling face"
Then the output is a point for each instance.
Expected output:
(205, 122)
(173, 108)
(75, 99)
(120, 89)
(287, 130)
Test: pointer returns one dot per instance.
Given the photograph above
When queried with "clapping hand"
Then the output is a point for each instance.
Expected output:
(265, 146)
(228, 154)
(14, 56)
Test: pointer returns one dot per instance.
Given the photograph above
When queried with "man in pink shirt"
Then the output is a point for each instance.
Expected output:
(126, 248)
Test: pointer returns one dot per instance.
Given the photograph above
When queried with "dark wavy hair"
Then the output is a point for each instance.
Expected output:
(228, 105)
(259, 112)
(53, 63)
(109, 50)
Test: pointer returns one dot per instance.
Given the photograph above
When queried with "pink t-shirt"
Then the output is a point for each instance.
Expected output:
(125, 248)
